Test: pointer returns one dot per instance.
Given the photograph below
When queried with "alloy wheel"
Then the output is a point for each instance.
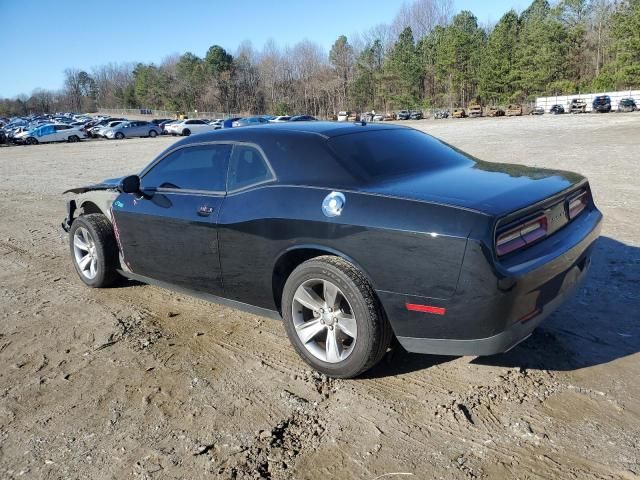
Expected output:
(85, 254)
(324, 320)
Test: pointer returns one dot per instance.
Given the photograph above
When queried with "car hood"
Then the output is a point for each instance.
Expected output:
(108, 184)
(492, 188)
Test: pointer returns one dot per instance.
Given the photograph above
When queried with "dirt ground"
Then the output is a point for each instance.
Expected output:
(137, 382)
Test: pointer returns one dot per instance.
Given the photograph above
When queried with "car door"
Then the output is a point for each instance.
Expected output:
(142, 129)
(133, 129)
(170, 233)
(195, 126)
(61, 133)
(46, 133)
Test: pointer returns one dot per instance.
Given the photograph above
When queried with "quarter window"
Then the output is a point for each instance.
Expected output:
(191, 168)
(247, 167)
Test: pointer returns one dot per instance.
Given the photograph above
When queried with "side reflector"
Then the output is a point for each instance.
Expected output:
(425, 308)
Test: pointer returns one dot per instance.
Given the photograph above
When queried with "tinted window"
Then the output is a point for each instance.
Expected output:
(247, 167)
(191, 168)
(195, 122)
(62, 127)
(381, 154)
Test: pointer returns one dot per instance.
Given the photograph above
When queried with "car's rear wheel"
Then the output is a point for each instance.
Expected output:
(153, 133)
(74, 138)
(333, 318)
(31, 141)
(119, 135)
(186, 132)
(94, 250)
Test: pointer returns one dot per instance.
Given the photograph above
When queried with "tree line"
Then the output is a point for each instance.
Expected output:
(426, 57)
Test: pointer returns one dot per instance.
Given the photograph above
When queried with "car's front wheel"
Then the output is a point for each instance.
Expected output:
(93, 250)
(31, 141)
(333, 318)
(153, 133)
(119, 135)
(73, 139)
(186, 132)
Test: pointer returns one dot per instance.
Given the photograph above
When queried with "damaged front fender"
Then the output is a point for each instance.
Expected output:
(96, 198)
(109, 184)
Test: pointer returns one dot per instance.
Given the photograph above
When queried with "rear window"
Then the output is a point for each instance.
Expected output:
(378, 155)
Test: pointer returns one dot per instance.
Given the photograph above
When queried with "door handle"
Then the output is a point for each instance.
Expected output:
(204, 210)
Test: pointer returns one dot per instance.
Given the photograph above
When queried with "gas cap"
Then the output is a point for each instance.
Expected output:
(333, 204)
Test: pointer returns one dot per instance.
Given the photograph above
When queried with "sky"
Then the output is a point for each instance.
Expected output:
(84, 34)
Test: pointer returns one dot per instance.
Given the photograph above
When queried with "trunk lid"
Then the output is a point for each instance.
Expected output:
(492, 188)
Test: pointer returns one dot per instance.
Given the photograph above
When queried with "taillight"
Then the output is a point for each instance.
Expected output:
(577, 204)
(521, 235)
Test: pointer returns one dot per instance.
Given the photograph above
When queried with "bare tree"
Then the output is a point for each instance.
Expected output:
(422, 16)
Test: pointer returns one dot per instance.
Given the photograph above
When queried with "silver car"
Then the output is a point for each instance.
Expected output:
(136, 128)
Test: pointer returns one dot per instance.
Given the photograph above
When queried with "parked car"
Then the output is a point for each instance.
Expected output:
(496, 112)
(627, 105)
(441, 114)
(459, 113)
(188, 126)
(556, 109)
(163, 126)
(415, 115)
(537, 111)
(99, 128)
(101, 131)
(475, 111)
(303, 118)
(280, 119)
(136, 128)
(601, 104)
(389, 116)
(514, 110)
(403, 115)
(246, 121)
(577, 106)
(377, 117)
(57, 132)
(450, 254)
(343, 116)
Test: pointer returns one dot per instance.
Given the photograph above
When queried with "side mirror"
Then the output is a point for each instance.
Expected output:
(130, 184)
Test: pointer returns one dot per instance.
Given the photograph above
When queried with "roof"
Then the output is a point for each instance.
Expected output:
(325, 129)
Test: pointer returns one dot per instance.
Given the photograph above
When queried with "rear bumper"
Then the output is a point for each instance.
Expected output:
(495, 307)
(503, 341)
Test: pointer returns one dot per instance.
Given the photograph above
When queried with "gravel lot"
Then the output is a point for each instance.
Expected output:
(137, 382)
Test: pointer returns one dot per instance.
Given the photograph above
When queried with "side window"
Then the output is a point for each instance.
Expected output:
(191, 168)
(247, 167)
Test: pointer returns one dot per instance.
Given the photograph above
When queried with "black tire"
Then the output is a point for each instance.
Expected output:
(153, 133)
(31, 141)
(106, 249)
(119, 136)
(74, 139)
(186, 132)
(374, 332)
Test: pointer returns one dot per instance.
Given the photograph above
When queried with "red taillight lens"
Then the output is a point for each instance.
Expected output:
(577, 204)
(521, 235)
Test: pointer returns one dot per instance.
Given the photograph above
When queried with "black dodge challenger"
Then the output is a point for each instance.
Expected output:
(352, 233)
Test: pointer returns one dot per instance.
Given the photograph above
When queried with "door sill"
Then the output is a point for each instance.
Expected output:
(245, 307)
